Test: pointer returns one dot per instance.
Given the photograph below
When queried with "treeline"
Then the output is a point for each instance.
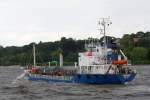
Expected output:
(45, 52)
(135, 46)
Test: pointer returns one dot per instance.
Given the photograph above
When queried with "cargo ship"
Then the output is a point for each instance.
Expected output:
(101, 63)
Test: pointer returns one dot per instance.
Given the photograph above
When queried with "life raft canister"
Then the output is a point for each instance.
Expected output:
(120, 62)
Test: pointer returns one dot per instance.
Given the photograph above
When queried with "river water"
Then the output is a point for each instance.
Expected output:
(12, 88)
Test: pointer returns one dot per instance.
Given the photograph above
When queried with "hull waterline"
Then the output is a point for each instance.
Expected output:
(86, 78)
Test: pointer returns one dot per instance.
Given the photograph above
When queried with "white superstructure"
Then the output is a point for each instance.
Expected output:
(93, 60)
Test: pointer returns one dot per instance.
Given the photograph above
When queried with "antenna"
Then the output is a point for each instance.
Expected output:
(103, 22)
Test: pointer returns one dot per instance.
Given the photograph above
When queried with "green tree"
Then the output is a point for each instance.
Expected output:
(139, 55)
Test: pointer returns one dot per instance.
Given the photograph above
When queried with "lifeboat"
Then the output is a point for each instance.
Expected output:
(120, 62)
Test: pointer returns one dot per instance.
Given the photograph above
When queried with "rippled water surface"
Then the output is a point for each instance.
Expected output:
(12, 88)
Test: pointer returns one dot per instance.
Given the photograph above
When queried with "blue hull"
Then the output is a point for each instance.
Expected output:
(86, 78)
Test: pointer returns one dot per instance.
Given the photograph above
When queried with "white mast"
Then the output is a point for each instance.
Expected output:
(34, 56)
(61, 59)
(103, 22)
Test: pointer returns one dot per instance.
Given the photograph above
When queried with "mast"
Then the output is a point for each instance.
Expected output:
(105, 42)
(103, 22)
(34, 56)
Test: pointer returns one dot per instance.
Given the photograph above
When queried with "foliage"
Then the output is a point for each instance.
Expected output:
(139, 53)
(135, 46)
(45, 52)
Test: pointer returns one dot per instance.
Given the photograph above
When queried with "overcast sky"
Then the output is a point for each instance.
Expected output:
(25, 21)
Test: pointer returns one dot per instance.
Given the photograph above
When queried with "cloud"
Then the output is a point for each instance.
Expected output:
(25, 21)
